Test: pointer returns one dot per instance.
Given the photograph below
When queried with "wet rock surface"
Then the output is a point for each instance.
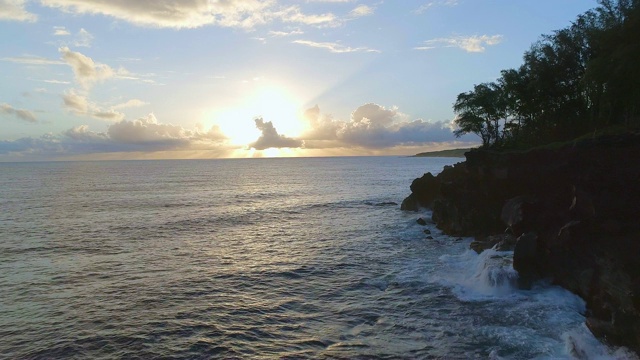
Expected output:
(570, 214)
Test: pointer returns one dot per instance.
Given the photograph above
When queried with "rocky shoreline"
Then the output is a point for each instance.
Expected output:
(571, 215)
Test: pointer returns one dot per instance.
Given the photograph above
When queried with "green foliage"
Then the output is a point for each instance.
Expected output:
(577, 80)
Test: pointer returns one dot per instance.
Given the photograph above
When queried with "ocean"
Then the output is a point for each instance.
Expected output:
(297, 258)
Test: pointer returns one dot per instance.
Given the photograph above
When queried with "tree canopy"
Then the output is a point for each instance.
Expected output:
(579, 79)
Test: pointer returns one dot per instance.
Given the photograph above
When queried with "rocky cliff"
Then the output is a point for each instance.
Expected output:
(572, 214)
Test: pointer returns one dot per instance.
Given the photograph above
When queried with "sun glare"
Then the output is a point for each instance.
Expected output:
(270, 103)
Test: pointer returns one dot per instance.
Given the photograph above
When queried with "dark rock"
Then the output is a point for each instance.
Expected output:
(387, 203)
(427, 231)
(429, 237)
(525, 259)
(421, 221)
(425, 189)
(501, 242)
(582, 202)
(410, 204)
(516, 213)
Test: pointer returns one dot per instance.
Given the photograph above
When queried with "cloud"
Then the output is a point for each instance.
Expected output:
(149, 132)
(271, 139)
(146, 130)
(373, 114)
(193, 13)
(145, 134)
(76, 103)
(131, 103)
(108, 115)
(14, 10)
(83, 134)
(80, 105)
(53, 81)
(32, 60)
(469, 44)
(362, 10)
(25, 115)
(372, 126)
(333, 47)
(293, 14)
(423, 8)
(60, 31)
(83, 38)
(286, 33)
(86, 71)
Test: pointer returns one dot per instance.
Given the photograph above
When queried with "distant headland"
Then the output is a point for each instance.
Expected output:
(458, 153)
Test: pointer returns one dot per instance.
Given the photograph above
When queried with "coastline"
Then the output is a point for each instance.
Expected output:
(457, 153)
(570, 216)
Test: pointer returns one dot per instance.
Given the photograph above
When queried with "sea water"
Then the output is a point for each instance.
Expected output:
(257, 258)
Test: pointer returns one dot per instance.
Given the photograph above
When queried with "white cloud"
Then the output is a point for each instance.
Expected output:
(86, 71)
(286, 33)
(294, 14)
(423, 8)
(131, 103)
(24, 115)
(193, 13)
(372, 126)
(54, 81)
(83, 38)
(147, 130)
(142, 135)
(469, 44)
(80, 105)
(333, 47)
(374, 115)
(362, 10)
(160, 13)
(108, 115)
(83, 134)
(60, 31)
(32, 60)
(271, 139)
(14, 10)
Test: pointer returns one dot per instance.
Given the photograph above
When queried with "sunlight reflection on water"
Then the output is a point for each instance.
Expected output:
(303, 258)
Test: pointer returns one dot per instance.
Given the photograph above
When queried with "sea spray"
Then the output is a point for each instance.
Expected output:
(479, 277)
(547, 319)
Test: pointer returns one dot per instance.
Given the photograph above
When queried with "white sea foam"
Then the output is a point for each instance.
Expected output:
(489, 275)
(547, 319)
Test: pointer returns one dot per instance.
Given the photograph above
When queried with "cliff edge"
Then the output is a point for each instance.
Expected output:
(571, 215)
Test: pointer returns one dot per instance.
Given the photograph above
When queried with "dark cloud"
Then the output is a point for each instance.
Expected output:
(417, 132)
(271, 139)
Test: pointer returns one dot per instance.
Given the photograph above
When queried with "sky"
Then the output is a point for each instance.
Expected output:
(129, 79)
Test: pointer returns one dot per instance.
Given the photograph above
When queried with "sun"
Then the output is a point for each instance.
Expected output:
(271, 103)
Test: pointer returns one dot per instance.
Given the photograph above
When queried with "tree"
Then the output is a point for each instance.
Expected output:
(480, 112)
(577, 80)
